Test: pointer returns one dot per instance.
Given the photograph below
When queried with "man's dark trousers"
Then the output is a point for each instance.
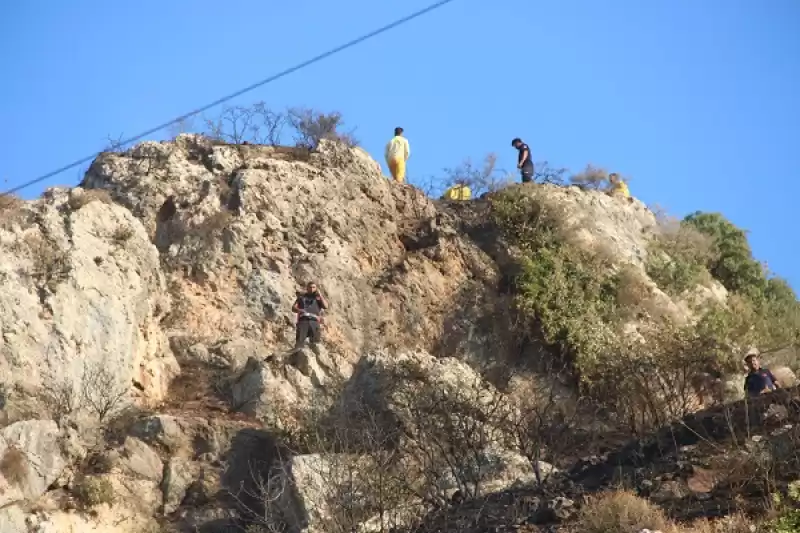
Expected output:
(307, 328)
(527, 173)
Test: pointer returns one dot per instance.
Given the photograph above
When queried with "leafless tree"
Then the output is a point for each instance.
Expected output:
(544, 173)
(60, 399)
(545, 426)
(485, 177)
(354, 472)
(101, 390)
(256, 124)
(114, 144)
(450, 434)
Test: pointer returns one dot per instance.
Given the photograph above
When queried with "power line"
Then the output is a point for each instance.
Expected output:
(240, 92)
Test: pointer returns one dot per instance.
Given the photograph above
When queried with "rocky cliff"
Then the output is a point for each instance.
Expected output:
(146, 335)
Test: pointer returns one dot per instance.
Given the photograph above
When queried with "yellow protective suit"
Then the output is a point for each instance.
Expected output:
(621, 189)
(397, 152)
(457, 192)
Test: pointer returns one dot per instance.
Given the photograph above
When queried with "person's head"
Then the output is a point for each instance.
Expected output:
(613, 177)
(517, 142)
(752, 362)
(398, 131)
(311, 287)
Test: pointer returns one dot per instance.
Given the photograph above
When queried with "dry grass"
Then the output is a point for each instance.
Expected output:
(122, 235)
(51, 264)
(14, 465)
(10, 210)
(88, 196)
(621, 512)
(737, 523)
(9, 202)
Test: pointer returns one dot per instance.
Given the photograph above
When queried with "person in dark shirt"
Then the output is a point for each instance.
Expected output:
(524, 161)
(309, 308)
(759, 380)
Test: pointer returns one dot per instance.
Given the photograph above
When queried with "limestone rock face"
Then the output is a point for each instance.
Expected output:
(82, 296)
(243, 228)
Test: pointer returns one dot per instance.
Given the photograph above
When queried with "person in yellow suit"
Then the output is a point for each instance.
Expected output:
(397, 153)
(618, 187)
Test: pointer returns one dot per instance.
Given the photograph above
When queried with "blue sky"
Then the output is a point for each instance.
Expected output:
(695, 100)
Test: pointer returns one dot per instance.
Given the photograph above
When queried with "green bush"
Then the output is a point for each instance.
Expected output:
(732, 262)
(569, 294)
(91, 491)
(677, 258)
(764, 310)
(575, 299)
(788, 522)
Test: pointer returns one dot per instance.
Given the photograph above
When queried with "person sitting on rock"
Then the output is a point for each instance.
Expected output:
(759, 380)
(309, 308)
(618, 187)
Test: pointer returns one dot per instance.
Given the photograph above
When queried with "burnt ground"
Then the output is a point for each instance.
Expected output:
(725, 459)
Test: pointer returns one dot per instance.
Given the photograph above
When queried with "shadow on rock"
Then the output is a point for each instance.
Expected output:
(251, 457)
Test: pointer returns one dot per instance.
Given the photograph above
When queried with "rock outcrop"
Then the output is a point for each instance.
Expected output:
(83, 293)
(156, 298)
(30, 460)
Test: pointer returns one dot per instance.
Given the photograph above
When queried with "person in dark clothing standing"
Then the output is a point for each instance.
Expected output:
(759, 380)
(524, 162)
(309, 308)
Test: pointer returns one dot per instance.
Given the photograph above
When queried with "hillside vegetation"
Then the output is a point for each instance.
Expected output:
(544, 357)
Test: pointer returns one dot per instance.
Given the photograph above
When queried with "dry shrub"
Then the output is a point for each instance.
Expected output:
(51, 264)
(544, 173)
(101, 391)
(634, 295)
(91, 491)
(10, 210)
(256, 124)
(661, 375)
(591, 178)
(14, 465)
(312, 126)
(482, 178)
(354, 471)
(10, 202)
(736, 523)
(76, 201)
(546, 426)
(122, 234)
(678, 256)
(59, 398)
(621, 512)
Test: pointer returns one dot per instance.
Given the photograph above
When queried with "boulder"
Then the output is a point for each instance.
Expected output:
(139, 460)
(178, 476)
(30, 460)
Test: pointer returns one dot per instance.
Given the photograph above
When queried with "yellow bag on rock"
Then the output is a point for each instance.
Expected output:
(457, 192)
